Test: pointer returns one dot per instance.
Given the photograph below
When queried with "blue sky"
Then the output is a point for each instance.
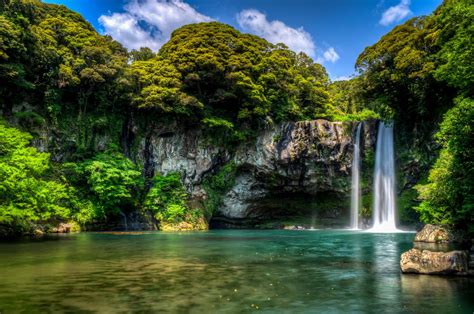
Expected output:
(333, 32)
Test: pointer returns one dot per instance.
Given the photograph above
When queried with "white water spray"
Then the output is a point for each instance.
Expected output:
(384, 182)
(355, 193)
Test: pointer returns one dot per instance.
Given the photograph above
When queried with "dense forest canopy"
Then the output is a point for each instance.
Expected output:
(420, 66)
(230, 82)
(207, 72)
(57, 72)
(53, 58)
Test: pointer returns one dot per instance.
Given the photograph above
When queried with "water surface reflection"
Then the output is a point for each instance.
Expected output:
(222, 271)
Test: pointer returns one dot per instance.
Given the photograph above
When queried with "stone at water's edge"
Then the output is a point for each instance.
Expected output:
(200, 224)
(433, 234)
(435, 263)
(65, 228)
(294, 227)
(424, 259)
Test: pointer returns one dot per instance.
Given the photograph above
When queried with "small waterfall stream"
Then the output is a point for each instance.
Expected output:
(355, 192)
(384, 181)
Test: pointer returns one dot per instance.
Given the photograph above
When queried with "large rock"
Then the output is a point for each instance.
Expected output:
(435, 263)
(433, 234)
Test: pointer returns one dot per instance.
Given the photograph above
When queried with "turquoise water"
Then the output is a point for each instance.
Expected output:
(223, 271)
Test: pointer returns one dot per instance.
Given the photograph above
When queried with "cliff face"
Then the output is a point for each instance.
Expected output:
(291, 168)
(304, 158)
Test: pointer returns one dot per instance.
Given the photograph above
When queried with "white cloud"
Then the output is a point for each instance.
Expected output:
(396, 13)
(329, 55)
(149, 23)
(276, 31)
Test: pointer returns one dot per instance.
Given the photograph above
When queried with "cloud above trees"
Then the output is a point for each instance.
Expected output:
(149, 23)
(396, 13)
(256, 22)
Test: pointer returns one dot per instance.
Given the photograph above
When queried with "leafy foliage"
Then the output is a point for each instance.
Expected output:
(413, 68)
(110, 180)
(167, 198)
(27, 194)
(448, 197)
(230, 81)
(52, 57)
(455, 22)
(159, 86)
(347, 102)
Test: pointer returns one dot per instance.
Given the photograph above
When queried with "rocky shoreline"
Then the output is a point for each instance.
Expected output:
(438, 251)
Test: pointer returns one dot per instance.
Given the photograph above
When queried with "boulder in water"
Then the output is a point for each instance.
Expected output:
(435, 263)
(433, 234)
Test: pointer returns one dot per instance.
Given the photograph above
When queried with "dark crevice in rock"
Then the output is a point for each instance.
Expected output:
(149, 162)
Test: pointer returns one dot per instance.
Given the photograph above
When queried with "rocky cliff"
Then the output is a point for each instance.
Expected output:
(294, 168)
(290, 162)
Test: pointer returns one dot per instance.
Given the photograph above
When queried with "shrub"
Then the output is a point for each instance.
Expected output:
(167, 198)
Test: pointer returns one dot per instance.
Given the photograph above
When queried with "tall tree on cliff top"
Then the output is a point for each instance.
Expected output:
(231, 80)
(50, 55)
(419, 66)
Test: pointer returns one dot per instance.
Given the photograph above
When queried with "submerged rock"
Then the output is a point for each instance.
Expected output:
(433, 234)
(435, 263)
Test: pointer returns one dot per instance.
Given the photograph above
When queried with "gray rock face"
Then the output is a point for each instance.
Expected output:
(306, 157)
(298, 157)
(435, 263)
(238, 200)
(177, 150)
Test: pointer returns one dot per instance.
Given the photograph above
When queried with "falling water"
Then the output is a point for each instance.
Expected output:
(355, 195)
(384, 181)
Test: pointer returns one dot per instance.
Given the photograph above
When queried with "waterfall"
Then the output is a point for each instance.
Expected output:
(384, 181)
(355, 193)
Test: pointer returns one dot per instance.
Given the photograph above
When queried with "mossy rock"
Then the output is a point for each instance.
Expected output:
(199, 224)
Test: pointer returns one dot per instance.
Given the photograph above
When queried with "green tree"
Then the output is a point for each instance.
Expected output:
(167, 199)
(110, 180)
(414, 67)
(142, 54)
(54, 59)
(455, 24)
(241, 81)
(159, 86)
(27, 193)
(448, 197)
